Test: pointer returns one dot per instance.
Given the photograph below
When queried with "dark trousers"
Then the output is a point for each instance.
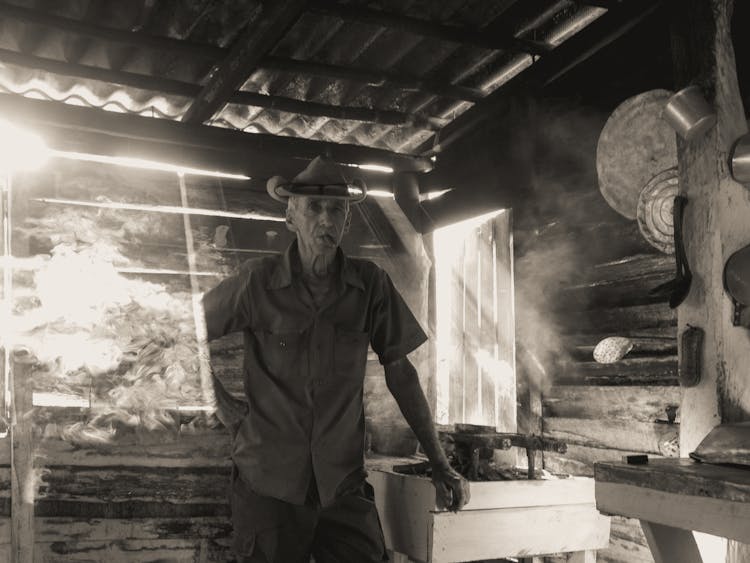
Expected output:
(268, 530)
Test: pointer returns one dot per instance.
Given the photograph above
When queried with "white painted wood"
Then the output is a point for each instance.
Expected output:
(503, 518)
(488, 534)
(714, 516)
(670, 544)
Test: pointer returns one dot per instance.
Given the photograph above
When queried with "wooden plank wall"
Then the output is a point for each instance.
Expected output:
(584, 273)
(158, 494)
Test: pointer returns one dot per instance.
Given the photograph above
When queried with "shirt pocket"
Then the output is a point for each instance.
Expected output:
(280, 351)
(350, 352)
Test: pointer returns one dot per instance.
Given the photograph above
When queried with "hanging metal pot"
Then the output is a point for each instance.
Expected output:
(739, 162)
(689, 114)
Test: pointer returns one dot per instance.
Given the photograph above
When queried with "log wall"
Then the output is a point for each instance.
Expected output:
(584, 273)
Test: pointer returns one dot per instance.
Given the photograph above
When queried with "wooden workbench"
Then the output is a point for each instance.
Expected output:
(673, 497)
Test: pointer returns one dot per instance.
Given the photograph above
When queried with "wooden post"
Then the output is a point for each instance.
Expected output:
(716, 219)
(406, 193)
(22, 465)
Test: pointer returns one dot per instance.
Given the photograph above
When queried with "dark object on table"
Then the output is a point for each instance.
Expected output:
(690, 356)
(726, 443)
(737, 285)
(638, 459)
(677, 289)
(471, 448)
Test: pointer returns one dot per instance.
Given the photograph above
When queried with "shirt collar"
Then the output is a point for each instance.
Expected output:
(289, 265)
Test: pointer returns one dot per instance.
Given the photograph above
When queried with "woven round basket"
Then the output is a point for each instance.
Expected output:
(635, 144)
(654, 211)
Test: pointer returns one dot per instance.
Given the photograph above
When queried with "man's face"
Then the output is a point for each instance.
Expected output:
(318, 221)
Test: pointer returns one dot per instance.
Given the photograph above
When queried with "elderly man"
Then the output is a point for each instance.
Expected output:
(308, 317)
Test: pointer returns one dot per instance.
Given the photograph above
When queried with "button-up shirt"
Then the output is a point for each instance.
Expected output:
(304, 368)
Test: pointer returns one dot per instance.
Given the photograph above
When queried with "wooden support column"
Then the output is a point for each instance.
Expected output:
(406, 193)
(22, 465)
(716, 221)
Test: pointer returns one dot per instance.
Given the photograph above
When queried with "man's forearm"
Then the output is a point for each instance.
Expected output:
(403, 383)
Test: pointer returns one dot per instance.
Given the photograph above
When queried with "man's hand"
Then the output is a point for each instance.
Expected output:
(451, 486)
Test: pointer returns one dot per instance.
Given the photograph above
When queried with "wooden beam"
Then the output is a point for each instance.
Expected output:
(372, 77)
(254, 147)
(573, 52)
(187, 89)
(110, 34)
(249, 48)
(385, 117)
(426, 28)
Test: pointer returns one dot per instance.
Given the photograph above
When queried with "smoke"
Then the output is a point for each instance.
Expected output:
(550, 251)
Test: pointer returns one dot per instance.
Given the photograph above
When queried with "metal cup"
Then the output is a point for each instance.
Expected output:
(739, 161)
(689, 113)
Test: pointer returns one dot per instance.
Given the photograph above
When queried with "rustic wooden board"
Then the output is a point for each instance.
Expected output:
(630, 268)
(200, 450)
(659, 342)
(472, 387)
(641, 404)
(645, 437)
(490, 386)
(635, 371)
(579, 460)
(681, 476)
(457, 393)
(604, 241)
(619, 319)
(622, 292)
(135, 551)
(117, 484)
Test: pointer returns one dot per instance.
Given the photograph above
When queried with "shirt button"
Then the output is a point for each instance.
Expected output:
(282, 343)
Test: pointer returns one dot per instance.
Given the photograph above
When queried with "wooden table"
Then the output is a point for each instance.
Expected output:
(673, 497)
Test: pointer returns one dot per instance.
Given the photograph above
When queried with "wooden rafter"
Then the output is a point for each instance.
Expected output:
(249, 48)
(191, 137)
(579, 48)
(425, 28)
(110, 34)
(373, 78)
(179, 88)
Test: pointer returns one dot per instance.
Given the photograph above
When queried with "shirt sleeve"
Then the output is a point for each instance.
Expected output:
(394, 331)
(227, 306)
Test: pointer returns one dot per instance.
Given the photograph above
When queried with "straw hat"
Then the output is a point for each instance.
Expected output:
(322, 178)
(635, 144)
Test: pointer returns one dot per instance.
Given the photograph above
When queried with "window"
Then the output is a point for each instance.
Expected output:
(475, 322)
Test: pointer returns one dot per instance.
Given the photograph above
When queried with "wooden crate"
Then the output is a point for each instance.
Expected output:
(502, 519)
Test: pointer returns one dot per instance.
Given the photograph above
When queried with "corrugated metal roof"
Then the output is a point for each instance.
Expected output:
(125, 36)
